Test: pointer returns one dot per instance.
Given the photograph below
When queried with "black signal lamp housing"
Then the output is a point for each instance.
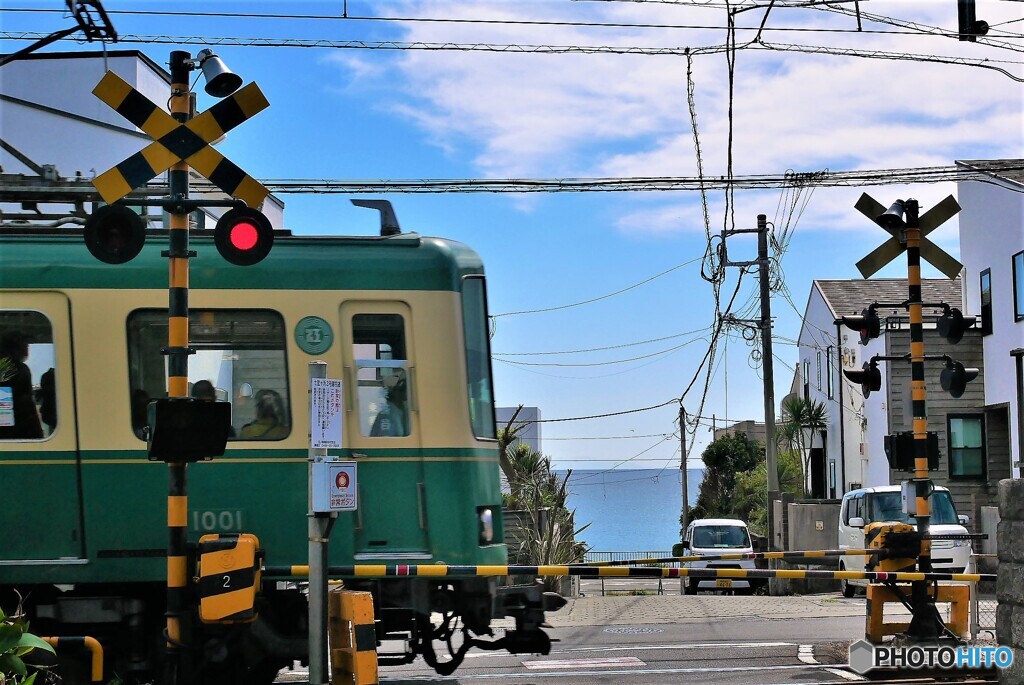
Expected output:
(952, 324)
(955, 377)
(186, 429)
(243, 236)
(868, 324)
(115, 234)
(868, 377)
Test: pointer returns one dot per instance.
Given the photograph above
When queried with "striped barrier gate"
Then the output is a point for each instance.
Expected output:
(442, 570)
(740, 556)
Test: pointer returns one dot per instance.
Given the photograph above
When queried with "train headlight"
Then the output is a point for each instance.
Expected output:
(486, 518)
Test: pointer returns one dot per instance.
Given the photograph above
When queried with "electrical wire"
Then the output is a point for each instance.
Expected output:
(601, 349)
(602, 297)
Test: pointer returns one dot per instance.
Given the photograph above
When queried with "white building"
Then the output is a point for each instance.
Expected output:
(52, 118)
(850, 452)
(528, 417)
(992, 250)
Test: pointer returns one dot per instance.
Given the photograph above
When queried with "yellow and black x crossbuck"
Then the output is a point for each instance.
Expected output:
(179, 142)
(894, 246)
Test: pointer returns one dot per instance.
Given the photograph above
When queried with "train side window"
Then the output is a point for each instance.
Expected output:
(382, 378)
(240, 358)
(28, 400)
(478, 357)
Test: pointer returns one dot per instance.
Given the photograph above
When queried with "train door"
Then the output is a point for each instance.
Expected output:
(40, 518)
(391, 521)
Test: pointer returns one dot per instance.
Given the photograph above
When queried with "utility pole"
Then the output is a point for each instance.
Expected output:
(682, 467)
(764, 325)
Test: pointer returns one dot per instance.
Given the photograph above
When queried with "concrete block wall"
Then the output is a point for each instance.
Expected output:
(1010, 578)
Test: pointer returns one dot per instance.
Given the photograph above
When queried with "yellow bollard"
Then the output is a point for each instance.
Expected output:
(352, 638)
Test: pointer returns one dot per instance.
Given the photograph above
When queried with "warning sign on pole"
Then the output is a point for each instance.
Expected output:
(326, 415)
(334, 486)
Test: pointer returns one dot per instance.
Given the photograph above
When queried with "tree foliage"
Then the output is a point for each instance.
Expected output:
(549, 536)
(724, 459)
(750, 497)
(801, 419)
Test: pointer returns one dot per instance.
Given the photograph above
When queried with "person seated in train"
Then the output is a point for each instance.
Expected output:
(393, 419)
(21, 420)
(269, 423)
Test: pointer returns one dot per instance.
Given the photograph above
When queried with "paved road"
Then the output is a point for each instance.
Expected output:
(655, 640)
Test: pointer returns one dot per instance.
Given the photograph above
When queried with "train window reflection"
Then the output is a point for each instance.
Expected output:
(28, 400)
(478, 357)
(382, 376)
(239, 357)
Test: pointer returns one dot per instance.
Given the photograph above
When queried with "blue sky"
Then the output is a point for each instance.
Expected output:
(411, 114)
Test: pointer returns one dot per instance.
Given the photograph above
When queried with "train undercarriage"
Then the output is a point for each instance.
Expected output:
(437, 619)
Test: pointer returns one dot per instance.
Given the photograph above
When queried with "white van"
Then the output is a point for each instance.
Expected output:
(884, 503)
(718, 536)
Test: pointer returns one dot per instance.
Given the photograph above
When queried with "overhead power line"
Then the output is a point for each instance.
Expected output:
(531, 49)
(814, 179)
(474, 21)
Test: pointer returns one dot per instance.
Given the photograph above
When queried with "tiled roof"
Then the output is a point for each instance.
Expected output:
(850, 296)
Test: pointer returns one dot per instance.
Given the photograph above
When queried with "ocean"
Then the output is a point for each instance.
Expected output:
(630, 510)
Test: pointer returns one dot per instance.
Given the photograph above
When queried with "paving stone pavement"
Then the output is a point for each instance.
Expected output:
(643, 609)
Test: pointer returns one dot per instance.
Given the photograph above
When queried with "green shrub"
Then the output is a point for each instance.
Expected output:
(15, 643)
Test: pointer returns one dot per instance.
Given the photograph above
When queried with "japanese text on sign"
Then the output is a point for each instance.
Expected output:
(326, 413)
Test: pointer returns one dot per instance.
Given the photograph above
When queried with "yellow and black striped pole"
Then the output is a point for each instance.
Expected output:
(926, 623)
(177, 352)
(917, 381)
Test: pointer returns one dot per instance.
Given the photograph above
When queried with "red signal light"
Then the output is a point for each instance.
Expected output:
(243, 236)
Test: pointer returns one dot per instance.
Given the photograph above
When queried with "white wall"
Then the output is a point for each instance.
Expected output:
(991, 232)
(71, 144)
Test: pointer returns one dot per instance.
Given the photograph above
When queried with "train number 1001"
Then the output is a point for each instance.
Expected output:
(217, 520)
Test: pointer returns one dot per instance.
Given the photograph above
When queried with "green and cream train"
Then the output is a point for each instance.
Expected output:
(83, 521)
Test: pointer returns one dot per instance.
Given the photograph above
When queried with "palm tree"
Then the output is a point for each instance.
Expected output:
(801, 419)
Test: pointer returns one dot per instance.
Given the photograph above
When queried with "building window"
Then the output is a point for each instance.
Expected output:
(986, 301)
(1018, 286)
(819, 370)
(966, 437)
(807, 379)
(829, 370)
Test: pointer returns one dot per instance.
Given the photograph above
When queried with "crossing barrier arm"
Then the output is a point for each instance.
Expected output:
(739, 556)
(444, 571)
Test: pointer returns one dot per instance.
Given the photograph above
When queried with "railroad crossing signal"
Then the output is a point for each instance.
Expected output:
(895, 246)
(177, 142)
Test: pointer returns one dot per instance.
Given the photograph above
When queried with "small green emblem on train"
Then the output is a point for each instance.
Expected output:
(314, 335)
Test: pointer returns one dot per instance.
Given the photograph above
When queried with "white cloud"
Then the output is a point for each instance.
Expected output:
(627, 115)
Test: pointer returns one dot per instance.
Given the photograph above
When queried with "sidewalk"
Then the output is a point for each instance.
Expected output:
(644, 609)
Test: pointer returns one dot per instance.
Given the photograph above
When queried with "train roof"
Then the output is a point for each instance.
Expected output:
(407, 261)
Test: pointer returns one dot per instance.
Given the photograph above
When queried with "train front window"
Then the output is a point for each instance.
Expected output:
(240, 358)
(28, 402)
(478, 357)
(382, 375)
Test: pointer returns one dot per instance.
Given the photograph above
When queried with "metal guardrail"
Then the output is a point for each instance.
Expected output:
(605, 557)
(983, 611)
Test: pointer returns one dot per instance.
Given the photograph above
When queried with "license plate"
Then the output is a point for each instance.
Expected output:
(723, 583)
